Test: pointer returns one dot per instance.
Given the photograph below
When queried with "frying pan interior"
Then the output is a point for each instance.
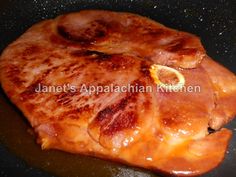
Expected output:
(213, 21)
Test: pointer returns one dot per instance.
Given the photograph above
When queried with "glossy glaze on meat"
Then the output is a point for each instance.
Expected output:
(162, 131)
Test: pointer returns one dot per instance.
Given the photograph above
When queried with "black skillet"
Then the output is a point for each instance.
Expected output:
(213, 21)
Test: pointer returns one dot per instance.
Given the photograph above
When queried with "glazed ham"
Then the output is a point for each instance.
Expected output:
(160, 130)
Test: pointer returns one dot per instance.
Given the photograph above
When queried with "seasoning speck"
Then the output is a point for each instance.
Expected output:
(200, 18)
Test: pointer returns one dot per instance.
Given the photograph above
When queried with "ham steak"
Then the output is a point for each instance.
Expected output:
(159, 130)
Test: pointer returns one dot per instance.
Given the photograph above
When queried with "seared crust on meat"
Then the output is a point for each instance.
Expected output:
(162, 131)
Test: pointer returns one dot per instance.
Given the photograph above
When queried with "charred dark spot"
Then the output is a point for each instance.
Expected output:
(210, 130)
(62, 31)
(70, 36)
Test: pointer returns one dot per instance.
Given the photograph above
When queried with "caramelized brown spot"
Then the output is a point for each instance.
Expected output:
(144, 68)
(58, 40)
(92, 32)
(124, 121)
(83, 109)
(91, 53)
(70, 114)
(179, 46)
(65, 98)
(109, 62)
(106, 114)
(33, 49)
(30, 107)
(117, 62)
(13, 73)
(47, 61)
(188, 51)
(155, 32)
(77, 113)
(123, 118)
(31, 91)
(176, 45)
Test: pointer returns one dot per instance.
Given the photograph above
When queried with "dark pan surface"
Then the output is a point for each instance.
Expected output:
(213, 21)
